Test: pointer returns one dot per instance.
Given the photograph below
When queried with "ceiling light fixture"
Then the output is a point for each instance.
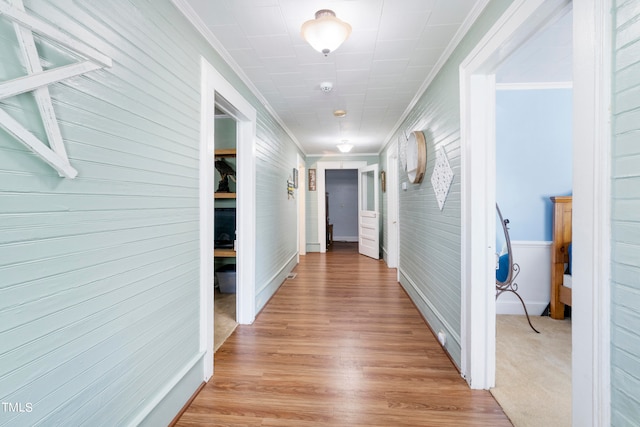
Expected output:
(340, 113)
(344, 146)
(325, 33)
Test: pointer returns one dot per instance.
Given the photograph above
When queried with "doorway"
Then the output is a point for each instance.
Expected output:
(225, 225)
(533, 163)
(391, 215)
(590, 335)
(322, 167)
(216, 91)
(342, 204)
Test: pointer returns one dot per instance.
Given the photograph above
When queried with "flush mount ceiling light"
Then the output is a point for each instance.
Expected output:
(340, 113)
(344, 146)
(325, 33)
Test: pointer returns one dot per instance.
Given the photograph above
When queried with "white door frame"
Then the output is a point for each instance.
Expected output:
(321, 167)
(590, 333)
(591, 302)
(213, 84)
(392, 220)
(302, 196)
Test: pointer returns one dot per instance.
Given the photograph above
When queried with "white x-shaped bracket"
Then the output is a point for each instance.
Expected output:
(37, 81)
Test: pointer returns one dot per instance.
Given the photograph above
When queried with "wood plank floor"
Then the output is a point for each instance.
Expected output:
(339, 345)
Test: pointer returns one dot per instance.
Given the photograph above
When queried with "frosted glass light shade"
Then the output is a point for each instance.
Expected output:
(325, 33)
(344, 147)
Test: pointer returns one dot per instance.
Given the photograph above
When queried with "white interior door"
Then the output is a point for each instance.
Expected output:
(369, 213)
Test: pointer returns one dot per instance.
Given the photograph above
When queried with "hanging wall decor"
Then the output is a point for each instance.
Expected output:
(442, 177)
(37, 81)
(290, 188)
(312, 180)
(416, 157)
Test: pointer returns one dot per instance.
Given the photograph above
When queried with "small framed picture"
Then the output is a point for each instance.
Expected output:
(295, 178)
(312, 180)
(383, 181)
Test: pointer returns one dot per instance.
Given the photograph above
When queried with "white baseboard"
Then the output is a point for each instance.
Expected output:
(534, 280)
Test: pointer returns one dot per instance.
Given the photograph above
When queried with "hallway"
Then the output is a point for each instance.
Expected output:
(341, 344)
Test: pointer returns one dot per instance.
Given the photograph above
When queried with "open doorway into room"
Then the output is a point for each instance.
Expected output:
(218, 94)
(533, 165)
(322, 167)
(225, 226)
(341, 209)
(591, 201)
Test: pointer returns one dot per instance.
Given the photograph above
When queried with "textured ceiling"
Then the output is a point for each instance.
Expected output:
(394, 49)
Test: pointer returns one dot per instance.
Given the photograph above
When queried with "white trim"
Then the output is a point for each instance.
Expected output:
(321, 167)
(534, 86)
(37, 81)
(207, 131)
(591, 194)
(342, 155)
(44, 78)
(457, 38)
(591, 308)
(185, 8)
(213, 83)
(477, 112)
(301, 194)
(427, 302)
(393, 221)
(52, 33)
(282, 271)
(156, 401)
(15, 129)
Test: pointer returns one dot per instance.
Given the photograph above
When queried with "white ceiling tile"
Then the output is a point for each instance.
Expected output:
(346, 78)
(246, 58)
(277, 46)
(277, 65)
(403, 24)
(348, 61)
(232, 37)
(394, 49)
(260, 21)
(397, 66)
(376, 73)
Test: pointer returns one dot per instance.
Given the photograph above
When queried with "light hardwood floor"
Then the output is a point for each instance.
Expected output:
(339, 345)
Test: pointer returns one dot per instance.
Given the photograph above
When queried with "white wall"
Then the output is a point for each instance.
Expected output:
(534, 280)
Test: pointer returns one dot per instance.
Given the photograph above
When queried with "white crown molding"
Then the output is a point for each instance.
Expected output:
(534, 86)
(185, 8)
(457, 38)
(343, 155)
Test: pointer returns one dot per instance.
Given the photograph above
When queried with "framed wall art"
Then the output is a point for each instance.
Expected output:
(312, 180)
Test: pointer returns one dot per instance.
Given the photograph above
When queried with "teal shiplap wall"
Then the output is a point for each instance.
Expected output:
(430, 250)
(276, 222)
(625, 286)
(99, 276)
(311, 201)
